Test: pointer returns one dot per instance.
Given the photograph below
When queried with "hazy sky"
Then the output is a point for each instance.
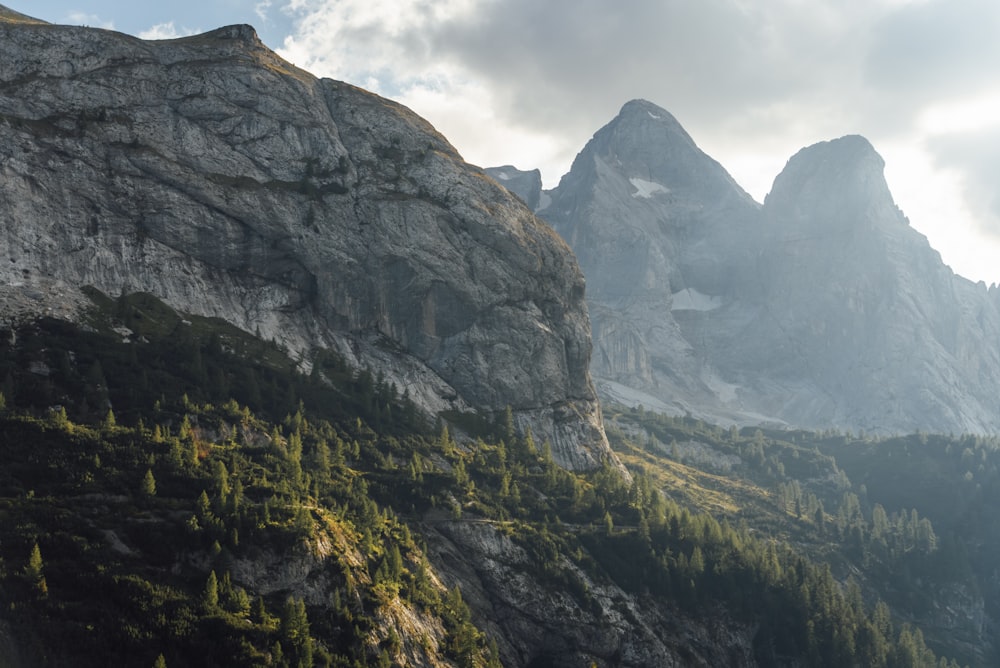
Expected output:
(528, 82)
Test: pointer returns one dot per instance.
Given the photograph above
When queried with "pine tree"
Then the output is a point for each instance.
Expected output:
(295, 630)
(33, 571)
(148, 487)
(109, 422)
(211, 594)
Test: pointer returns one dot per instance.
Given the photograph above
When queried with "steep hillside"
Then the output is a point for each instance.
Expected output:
(211, 173)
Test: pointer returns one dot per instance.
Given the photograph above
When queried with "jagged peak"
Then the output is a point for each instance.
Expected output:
(844, 175)
(651, 153)
(846, 151)
(644, 109)
(658, 123)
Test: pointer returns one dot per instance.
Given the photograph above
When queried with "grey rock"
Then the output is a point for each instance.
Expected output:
(658, 227)
(536, 623)
(213, 174)
(526, 185)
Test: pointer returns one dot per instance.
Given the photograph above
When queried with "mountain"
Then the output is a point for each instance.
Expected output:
(658, 227)
(820, 308)
(525, 184)
(211, 173)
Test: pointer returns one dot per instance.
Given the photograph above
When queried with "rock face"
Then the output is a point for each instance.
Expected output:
(863, 309)
(659, 228)
(213, 174)
(536, 624)
(821, 308)
(526, 185)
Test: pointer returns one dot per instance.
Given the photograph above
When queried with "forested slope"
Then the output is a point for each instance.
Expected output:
(172, 487)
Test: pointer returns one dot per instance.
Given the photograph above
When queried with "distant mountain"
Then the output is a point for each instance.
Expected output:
(821, 308)
(215, 175)
(526, 185)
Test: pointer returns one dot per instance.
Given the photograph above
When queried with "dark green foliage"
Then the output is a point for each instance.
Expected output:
(143, 471)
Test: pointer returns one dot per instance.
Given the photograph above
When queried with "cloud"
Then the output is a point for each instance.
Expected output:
(975, 157)
(261, 9)
(166, 31)
(564, 67)
(92, 20)
(935, 48)
(527, 82)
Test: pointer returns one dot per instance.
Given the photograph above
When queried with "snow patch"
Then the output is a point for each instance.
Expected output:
(503, 176)
(646, 189)
(652, 115)
(690, 299)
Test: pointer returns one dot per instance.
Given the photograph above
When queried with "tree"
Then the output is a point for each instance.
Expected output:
(148, 487)
(211, 594)
(109, 422)
(295, 630)
(160, 662)
(33, 571)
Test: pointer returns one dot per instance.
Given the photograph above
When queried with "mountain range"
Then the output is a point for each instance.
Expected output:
(287, 382)
(822, 308)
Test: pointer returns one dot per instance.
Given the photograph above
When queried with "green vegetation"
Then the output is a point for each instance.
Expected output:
(154, 482)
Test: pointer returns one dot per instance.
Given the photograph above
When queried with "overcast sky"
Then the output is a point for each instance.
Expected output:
(528, 82)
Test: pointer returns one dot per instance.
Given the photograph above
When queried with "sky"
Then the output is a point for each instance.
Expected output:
(528, 82)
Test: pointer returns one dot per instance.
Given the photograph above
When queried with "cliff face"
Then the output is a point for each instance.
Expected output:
(537, 624)
(220, 178)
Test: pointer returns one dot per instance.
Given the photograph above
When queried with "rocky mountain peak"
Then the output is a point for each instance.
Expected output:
(240, 32)
(645, 154)
(843, 178)
(525, 184)
(638, 114)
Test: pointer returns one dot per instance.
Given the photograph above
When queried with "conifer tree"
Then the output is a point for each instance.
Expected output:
(109, 422)
(211, 594)
(148, 487)
(33, 571)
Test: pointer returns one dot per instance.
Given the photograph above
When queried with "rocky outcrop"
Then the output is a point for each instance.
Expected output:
(526, 185)
(537, 624)
(213, 174)
(821, 308)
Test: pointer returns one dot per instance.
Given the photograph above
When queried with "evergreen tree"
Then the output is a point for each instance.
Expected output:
(33, 571)
(148, 487)
(295, 630)
(211, 594)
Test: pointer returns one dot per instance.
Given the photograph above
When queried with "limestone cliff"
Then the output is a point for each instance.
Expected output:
(213, 174)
